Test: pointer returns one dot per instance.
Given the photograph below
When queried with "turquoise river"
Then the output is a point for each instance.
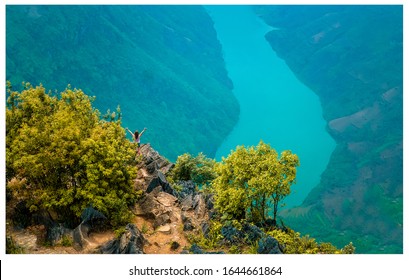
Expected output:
(274, 105)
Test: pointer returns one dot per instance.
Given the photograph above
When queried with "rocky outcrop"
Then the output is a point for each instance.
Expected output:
(92, 220)
(153, 161)
(357, 74)
(171, 213)
(152, 170)
(197, 207)
(158, 207)
(51, 232)
(268, 245)
(162, 224)
(130, 242)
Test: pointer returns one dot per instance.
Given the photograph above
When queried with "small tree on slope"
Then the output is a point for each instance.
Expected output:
(253, 179)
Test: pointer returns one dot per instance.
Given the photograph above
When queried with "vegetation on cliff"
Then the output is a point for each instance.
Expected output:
(244, 187)
(64, 158)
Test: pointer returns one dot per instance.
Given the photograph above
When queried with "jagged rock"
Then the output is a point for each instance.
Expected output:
(187, 202)
(43, 218)
(165, 184)
(232, 234)
(187, 223)
(148, 207)
(80, 236)
(158, 208)
(205, 229)
(166, 199)
(187, 188)
(154, 161)
(160, 181)
(130, 242)
(199, 205)
(152, 167)
(161, 220)
(56, 233)
(156, 191)
(268, 245)
(92, 220)
(188, 226)
(209, 202)
(252, 232)
(22, 217)
(248, 234)
(154, 183)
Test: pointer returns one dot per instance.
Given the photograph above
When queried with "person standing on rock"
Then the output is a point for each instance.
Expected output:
(137, 138)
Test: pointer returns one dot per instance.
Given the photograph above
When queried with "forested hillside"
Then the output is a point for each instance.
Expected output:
(162, 65)
(352, 58)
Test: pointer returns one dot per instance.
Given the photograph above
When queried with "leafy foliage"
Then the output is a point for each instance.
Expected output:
(294, 243)
(199, 169)
(213, 238)
(60, 156)
(251, 179)
(348, 249)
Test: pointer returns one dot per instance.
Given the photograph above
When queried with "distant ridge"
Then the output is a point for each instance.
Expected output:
(162, 65)
(357, 74)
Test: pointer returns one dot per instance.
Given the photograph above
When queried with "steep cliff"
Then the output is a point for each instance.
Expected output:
(162, 64)
(352, 58)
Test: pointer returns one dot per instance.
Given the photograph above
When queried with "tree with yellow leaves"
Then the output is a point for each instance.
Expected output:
(252, 180)
(61, 156)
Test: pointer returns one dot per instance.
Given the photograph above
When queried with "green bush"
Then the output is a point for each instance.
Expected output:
(199, 169)
(63, 157)
(348, 249)
(294, 243)
(213, 239)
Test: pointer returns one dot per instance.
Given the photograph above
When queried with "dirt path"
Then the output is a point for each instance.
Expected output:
(160, 241)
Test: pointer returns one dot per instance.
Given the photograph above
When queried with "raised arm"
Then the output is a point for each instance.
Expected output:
(140, 134)
(133, 135)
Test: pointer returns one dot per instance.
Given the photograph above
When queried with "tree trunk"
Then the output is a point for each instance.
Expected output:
(275, 212)
(263, 208)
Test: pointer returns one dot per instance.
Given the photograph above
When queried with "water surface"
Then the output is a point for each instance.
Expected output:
(275, 106)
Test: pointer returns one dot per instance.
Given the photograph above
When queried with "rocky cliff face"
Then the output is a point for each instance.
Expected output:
(156, 62)
(351, 57)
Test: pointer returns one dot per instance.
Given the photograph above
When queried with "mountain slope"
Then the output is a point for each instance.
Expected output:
(162, 64)
(351, 57)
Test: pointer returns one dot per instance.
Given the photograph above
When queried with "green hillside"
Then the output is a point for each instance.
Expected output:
(352, 58)
(162, 65)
